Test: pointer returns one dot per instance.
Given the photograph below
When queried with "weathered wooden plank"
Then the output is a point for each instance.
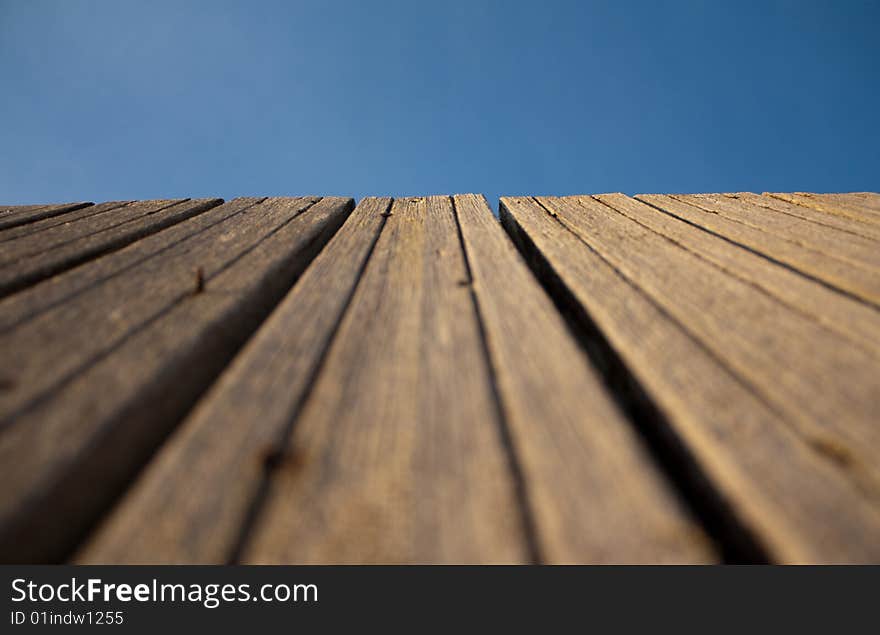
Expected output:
(820, 380)
(844, 246)
(58, 220)
(862, 283)
(848, 317)
(832, 205)
(396, 455)
(84, 412)
(7, 209)
(579, 456)
(871, 200)
(29, 259)
(23, 214)
(54, 344)
(194, 498)
(108, 216)
(787, 486)
(859, 201)
(29, 302)
(97, 218)
(842, 223)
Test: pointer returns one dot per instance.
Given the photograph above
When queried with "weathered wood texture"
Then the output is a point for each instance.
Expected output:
(34, 257)
(593, 491)
(778, 411)
(59, 220)
(13, 216)
(399, 451)
(842, 223)
(720, 218)
(223, 462)
(96, 380)
(858, 251)
(862, 207)
(395, 455)
(665, 378)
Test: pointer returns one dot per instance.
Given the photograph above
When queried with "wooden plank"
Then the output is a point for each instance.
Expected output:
(847, 317)
(59, 220)
(871, 200)
(578, 454)
(42, 360)
(21, 215)
(858, 201)
(26, 304)
(795, 496)
(842, 223)
(83, 412)
(396, 456)
(193, 500)
(820, 380)
(836, 205)
(29, 259)
(855, 250)
(106, 216)
(7, 209)
(861, 283)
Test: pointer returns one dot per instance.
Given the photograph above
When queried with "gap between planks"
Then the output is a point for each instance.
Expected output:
(850, 520)
(149, 394)
(579, 522)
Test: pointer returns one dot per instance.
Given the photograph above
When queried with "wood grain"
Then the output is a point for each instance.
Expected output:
(8, 209)
(800, 505)
(871, 200)
(60, 220)
(856, 250)
(85, 412)
(842, 223)
(834, 204)
(827, 387)
(193, 501)
(860, 283)
(849, 318)
(92, 220)
(595, 493)
(40, 297)
(13, 216)
(396, 455)
(666, 378)
(29, 259)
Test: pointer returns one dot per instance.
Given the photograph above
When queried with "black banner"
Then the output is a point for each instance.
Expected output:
(135, 599)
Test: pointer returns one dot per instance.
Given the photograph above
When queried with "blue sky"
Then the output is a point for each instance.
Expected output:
(119, 99)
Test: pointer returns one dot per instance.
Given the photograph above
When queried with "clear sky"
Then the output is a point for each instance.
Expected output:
(124, 99)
